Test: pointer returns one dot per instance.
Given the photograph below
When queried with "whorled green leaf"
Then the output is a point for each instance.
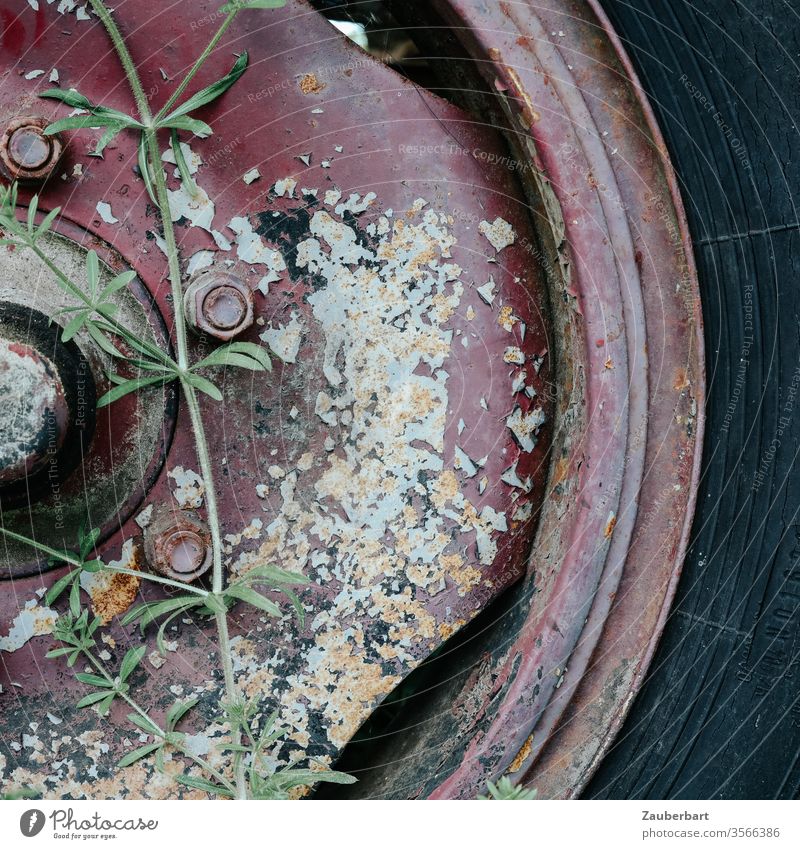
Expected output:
(128, 386)
(75, 598)
(59, 586)
(506, 791)
(132, 659)
(191, 125)
(138, 754)
(145, 723)
(247, 594)
(94, 698)
(203, 784)
(176, 713)
(144, 170)
(223, 356)
(151, 611)
(208, 94)
(243, 5)
(201, 384)
(183, 167)
(92, 680)
(275, 787)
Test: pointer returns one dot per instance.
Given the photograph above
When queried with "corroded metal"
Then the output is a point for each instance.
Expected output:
(219, 304)
(34, 415)
(463, 402)
(26, 153)
(109, 456)
(178, 545)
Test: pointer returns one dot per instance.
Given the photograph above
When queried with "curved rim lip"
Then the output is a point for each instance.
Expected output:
(672, 566)
(700, 393)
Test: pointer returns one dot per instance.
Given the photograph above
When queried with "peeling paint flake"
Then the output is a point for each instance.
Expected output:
(112, 594)
(104, 211)
(252, 250)
(32, 621)
(499, 233)
(525, 426)
(285, 187)
(284, 341)
(190, 489)
(487, 292)
(198, 209)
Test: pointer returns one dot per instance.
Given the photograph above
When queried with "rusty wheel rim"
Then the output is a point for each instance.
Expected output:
(608, 482)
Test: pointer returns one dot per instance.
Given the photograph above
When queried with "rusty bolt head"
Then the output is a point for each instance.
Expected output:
(219, 304)
(34, 415)
(26, 153)
(177, 545)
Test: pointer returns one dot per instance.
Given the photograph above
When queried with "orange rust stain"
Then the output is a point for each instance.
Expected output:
(681, 380)
(610, 526)
(309, 84)
(119, 595)
(520, 759)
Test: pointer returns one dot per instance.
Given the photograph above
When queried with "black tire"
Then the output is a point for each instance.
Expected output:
(719, 715)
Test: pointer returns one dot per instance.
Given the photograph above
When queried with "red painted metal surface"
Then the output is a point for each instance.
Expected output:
(405, 280)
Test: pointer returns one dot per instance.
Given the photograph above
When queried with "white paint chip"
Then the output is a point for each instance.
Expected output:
(190, 489)
(104, 211)
(284, 341)
(499, 233)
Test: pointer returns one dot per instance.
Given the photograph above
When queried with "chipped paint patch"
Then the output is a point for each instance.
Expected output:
(284, 341)
(525, 426)
(112, 594)
(198, 208)
(104, 211)
(32, 621)
(190, 489)
(251, 249)
(309, 84)
(499, 233)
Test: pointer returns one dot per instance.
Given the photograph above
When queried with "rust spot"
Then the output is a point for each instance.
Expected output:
(522, 756)
(115, 597)
(610, 526)
(681, 380)
(309, 84)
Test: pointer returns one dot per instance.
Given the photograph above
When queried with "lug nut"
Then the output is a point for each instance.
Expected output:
(177, 545)
(26, 153)
(219, 304)
(34, 415)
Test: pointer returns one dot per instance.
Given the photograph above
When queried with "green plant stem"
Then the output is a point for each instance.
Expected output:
(132, 703)
(173, 256)
(126, 59)
(63, 557)
(197, 65)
